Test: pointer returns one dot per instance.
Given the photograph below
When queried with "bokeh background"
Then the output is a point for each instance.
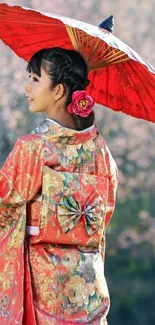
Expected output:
(130, 248)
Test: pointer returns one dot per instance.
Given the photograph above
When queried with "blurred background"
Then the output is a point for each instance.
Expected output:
(130, 248)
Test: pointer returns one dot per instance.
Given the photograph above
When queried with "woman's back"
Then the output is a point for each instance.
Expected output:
(68, 279)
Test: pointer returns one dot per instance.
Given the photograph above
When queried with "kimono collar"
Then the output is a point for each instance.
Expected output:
(53, 131)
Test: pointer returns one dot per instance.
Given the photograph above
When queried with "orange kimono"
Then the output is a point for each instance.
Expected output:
(57, 195)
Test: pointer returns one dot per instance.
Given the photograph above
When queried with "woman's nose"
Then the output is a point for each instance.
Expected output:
(28, 87)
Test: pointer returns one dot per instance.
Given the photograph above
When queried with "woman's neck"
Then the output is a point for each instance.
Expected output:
(63, 120)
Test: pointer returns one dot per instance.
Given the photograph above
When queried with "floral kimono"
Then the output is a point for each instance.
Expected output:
(57, 195)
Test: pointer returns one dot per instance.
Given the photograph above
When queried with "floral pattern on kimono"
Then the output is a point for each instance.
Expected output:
(57, 195)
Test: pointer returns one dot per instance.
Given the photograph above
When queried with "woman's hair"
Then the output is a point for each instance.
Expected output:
(66, 67)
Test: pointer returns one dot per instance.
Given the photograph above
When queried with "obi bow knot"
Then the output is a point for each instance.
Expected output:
(70, 212)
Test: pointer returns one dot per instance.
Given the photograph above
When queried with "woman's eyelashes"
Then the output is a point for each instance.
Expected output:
(33, 78)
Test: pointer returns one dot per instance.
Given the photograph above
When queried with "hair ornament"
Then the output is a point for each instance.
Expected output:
(82, 104)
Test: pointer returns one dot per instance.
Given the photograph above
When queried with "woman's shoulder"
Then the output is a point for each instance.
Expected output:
(102, 142)
(29, 142)
(106, 151)
(34, 138)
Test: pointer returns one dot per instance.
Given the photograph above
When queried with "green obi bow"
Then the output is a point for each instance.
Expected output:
(70, 212)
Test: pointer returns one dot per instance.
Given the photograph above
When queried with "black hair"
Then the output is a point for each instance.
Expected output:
(65, 67)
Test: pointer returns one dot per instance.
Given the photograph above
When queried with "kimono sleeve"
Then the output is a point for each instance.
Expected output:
(113, 184)
(20, 176)
(20, 180)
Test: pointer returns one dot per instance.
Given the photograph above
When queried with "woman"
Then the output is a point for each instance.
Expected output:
(57, 195)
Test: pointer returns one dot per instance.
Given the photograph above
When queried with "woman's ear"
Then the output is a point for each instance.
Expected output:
(59, 91)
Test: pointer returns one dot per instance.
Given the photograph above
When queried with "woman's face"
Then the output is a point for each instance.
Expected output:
(40, 95)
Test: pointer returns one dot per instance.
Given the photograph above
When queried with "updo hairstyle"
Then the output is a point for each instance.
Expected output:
(66, 67)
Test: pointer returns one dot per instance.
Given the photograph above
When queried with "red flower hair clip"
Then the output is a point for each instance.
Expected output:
(81, 104)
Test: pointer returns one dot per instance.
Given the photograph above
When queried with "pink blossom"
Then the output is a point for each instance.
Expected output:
(81, 104)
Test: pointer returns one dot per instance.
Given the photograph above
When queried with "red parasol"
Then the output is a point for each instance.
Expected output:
(120, 78)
